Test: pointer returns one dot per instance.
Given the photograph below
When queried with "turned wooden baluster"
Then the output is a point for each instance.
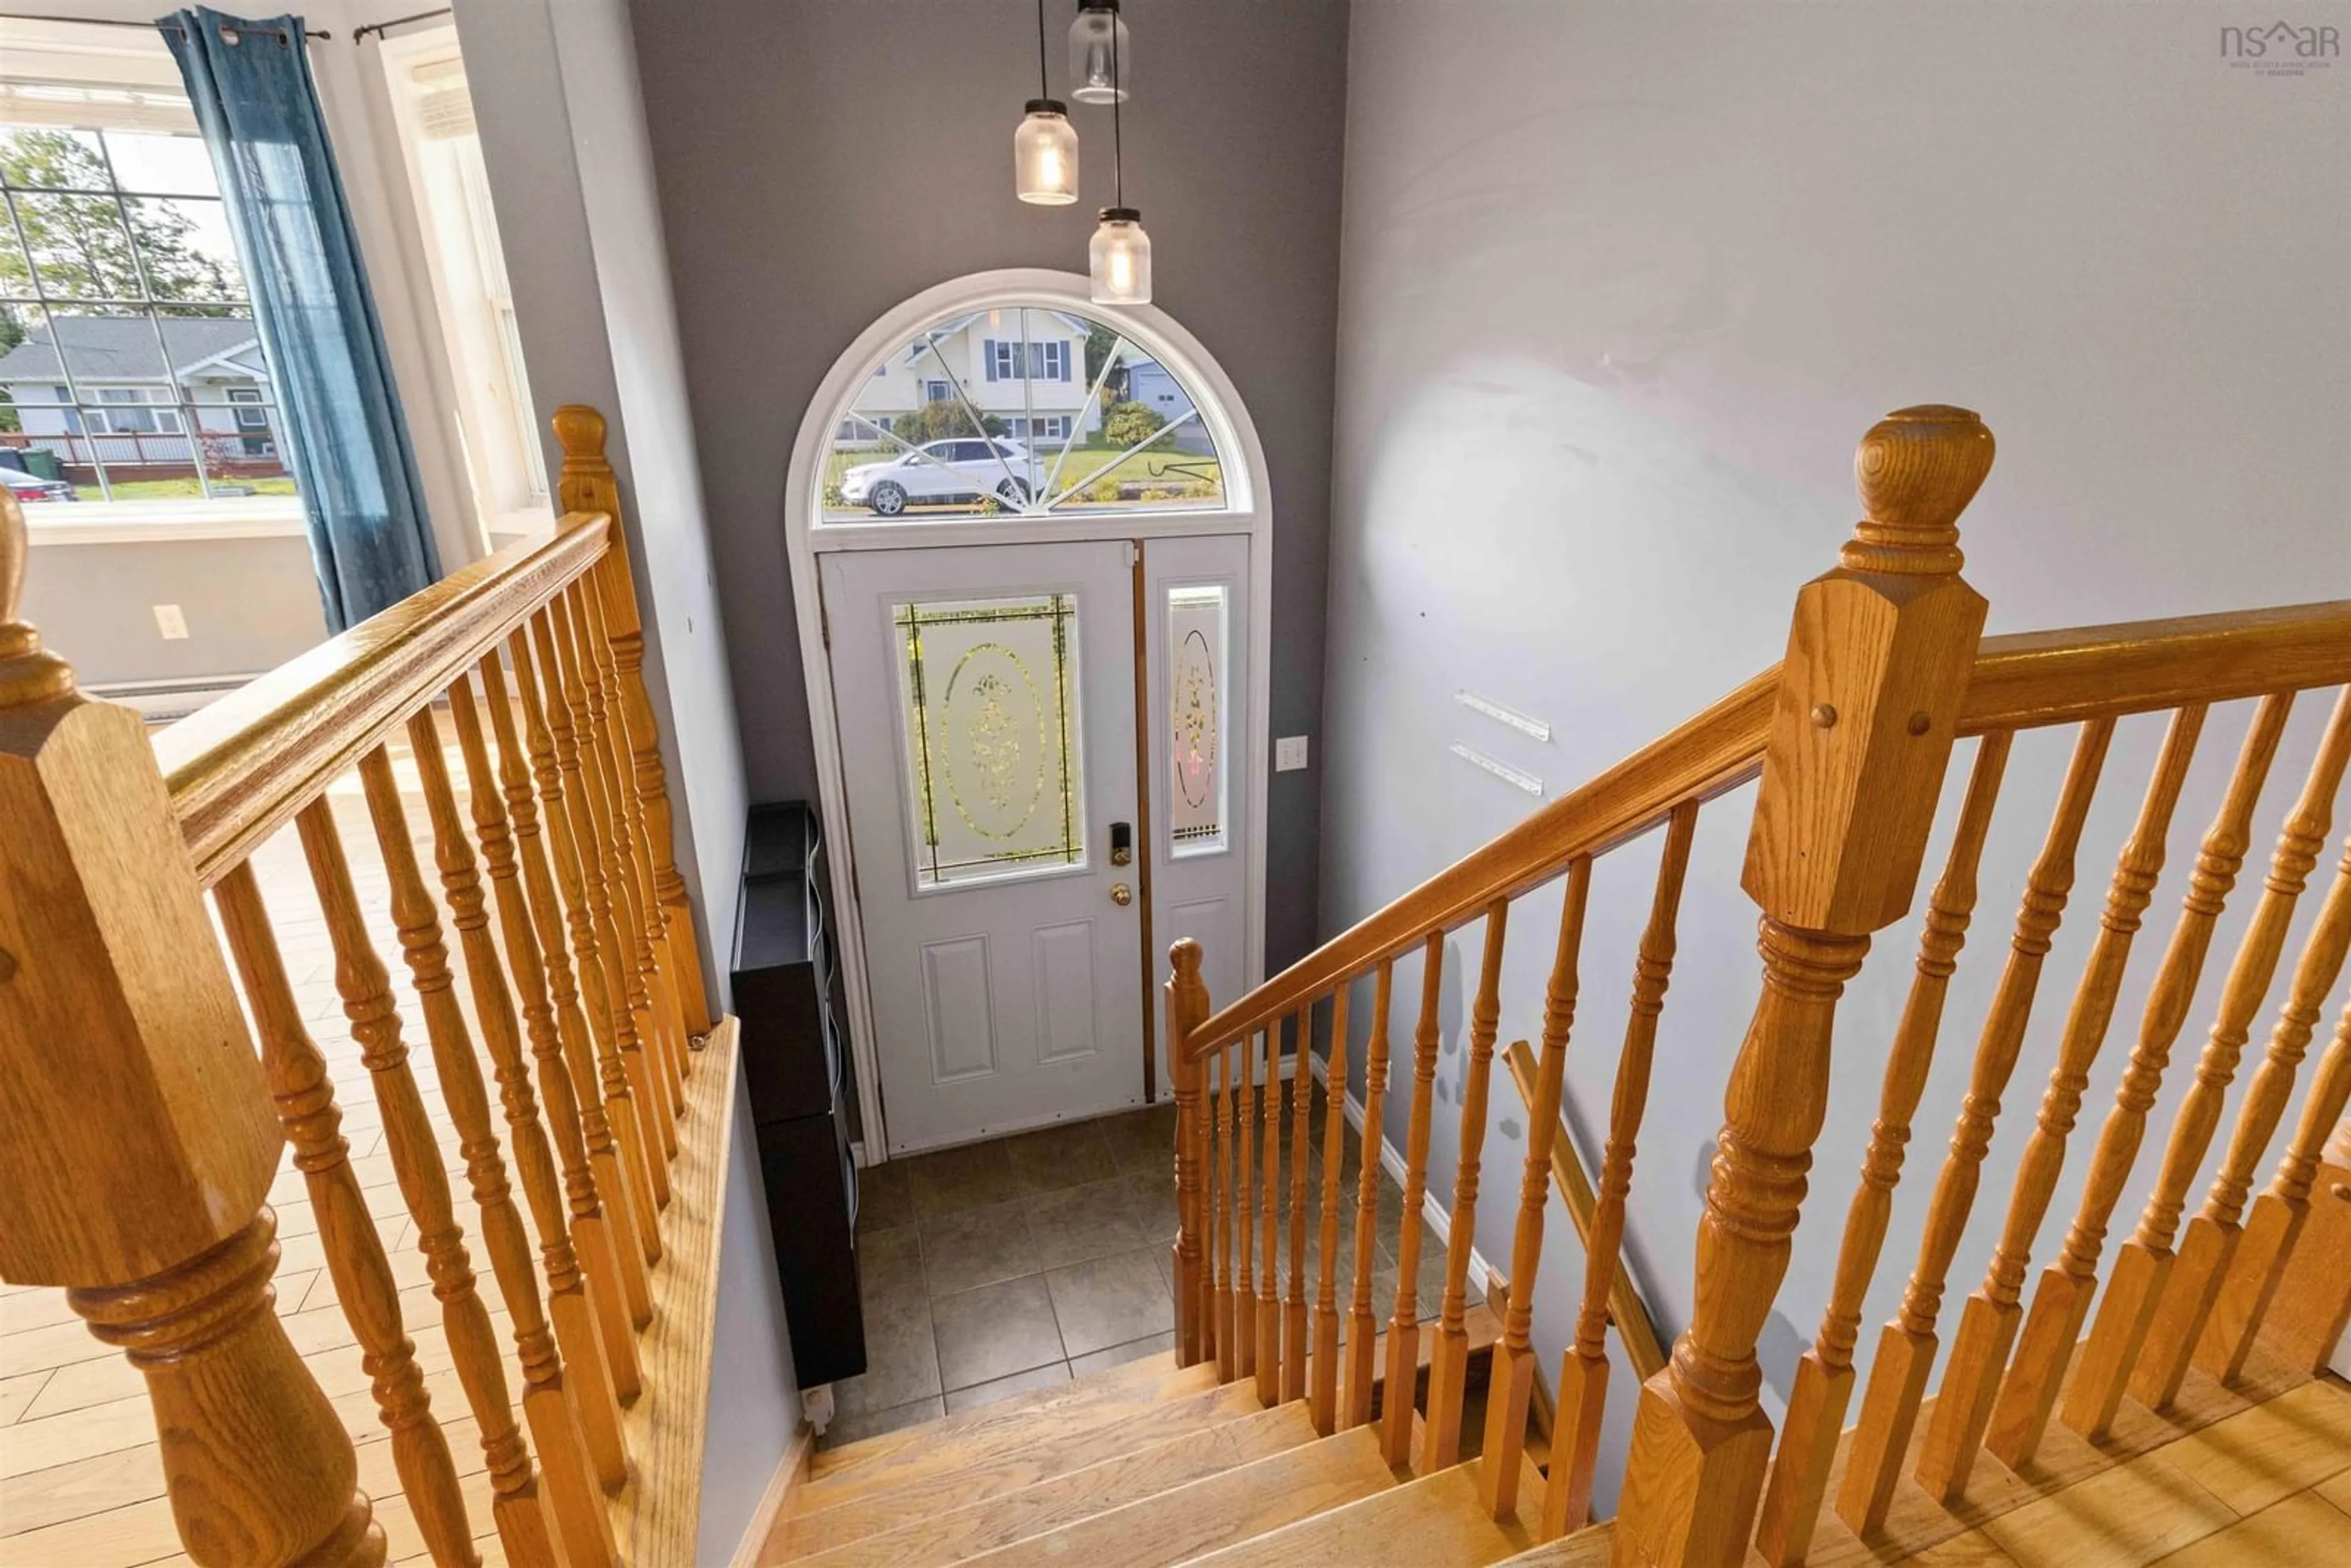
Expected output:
(1906, 1345)
(1448, 1360)
(1301, 1140)
(1323, 1398)
(2061, 1302)
(2210, 1247)
(355, 1256)
(1362, 1327)
(1269, 1279)
(578, 1509)
(1187, 1005)
(586, 485)
(1244, 1336)
(555, 758)
(1877, 664)
(648, 935)
(609, 1158)
(1227, 1196)
(1511, 1380)
(136, 1138)
(409, 1139)
(2119, 1355)
(603, 1313)
(574, 1399)
(651, 1079)
(1403, 1325)
(1584, 1369)
(2279, 1216)
(1825, 1376)
(1988, 1323)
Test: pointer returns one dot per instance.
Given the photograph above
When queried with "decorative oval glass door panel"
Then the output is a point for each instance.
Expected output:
(1195, 670)
(988, 694)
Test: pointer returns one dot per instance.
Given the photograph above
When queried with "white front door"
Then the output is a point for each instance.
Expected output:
(986, 703)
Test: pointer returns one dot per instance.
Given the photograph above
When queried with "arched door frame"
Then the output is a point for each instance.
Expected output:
(1247, 510)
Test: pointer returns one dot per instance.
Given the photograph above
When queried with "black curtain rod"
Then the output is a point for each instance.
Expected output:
(358, 35)
(277, 33)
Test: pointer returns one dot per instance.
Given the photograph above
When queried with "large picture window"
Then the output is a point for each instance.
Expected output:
(130, 364)
(1023, 409)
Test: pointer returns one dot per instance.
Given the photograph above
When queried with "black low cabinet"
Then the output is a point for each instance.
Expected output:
(796, 1062)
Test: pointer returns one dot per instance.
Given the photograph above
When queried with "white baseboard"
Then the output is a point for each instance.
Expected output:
(162, 701)
(1432, 1208)
(790, 1471)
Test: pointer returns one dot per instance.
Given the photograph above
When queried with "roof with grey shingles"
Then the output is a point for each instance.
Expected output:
(123, 347)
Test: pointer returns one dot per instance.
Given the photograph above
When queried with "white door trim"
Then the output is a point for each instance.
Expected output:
(1249, 510)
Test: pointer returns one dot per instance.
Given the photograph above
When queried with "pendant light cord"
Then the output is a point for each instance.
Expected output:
(1044, 87)
(1117, 141)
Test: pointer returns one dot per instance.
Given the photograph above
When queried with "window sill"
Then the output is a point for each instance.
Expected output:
(165, 522)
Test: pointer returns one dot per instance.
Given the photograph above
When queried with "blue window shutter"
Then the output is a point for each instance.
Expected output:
(987, 347)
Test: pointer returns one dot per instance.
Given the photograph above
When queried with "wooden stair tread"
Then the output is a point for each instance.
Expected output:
(934, 1478)
(1434, 1521)
(956, 1534)
(1220, 1511)
(1128, 1386)
(2196, 1495)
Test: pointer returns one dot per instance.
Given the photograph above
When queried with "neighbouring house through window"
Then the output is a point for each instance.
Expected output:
(130, 364)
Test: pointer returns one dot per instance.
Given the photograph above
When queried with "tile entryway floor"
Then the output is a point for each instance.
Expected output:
(1009, 1265)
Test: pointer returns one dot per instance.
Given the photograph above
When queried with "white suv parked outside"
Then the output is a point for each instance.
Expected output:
(965, 468)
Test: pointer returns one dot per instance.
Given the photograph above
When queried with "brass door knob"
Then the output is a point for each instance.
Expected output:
(1121, 894)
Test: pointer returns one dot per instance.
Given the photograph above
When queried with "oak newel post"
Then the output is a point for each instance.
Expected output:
(1187, 1008)
(137, 1137)
(1878, 660)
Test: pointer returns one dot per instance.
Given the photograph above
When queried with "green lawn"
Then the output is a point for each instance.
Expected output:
(181, 489)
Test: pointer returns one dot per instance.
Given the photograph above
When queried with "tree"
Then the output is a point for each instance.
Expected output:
(1100, 343)
(80, 244)
(1130, 424)
(938, 421)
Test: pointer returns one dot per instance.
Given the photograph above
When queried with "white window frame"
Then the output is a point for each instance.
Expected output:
(1247, 510)
(252, 408)
(455, 233)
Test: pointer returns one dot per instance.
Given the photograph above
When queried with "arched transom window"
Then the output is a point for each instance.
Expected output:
(1025, 410)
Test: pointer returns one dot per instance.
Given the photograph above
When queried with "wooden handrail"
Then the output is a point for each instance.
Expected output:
(1717, 751)
(2030, 679)
(2022, 681)
(241, 767)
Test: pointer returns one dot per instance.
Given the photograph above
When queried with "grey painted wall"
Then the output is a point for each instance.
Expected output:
(250, 604)
(556, 93)
(1622, 287)
(821, 161)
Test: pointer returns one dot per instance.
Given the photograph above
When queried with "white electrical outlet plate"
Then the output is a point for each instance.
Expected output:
(171, 622)
(1288, 753)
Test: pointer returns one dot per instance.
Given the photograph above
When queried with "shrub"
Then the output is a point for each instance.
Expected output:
(1129, 424)
(938, 422)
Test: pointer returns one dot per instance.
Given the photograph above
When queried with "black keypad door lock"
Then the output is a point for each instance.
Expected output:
(1122, 842)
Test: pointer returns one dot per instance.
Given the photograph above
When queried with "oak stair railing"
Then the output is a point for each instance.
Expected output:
(144, 1120)
(1851, 738)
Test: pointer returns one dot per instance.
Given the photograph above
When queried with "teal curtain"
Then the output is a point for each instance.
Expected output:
(258, 108)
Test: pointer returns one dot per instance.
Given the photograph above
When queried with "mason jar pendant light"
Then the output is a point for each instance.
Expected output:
(1119, 259)
(1045, 147)
(1096, 40)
